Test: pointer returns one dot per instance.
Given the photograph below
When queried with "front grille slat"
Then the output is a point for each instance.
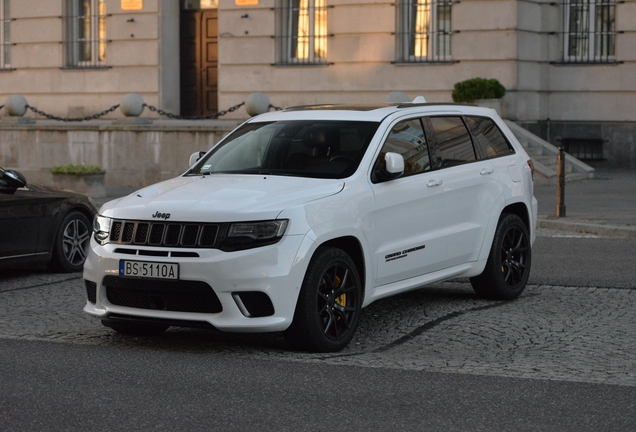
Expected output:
(141, 233)
(156, 234)
(173, 235)
(190, 234)
(127, 234)
(163, 234)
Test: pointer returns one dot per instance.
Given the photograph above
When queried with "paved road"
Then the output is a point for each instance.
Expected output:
(560, 357)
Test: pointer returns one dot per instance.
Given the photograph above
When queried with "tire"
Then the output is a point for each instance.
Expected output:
(329, 303)
(136, 329)
(508, 266)
(71, 243)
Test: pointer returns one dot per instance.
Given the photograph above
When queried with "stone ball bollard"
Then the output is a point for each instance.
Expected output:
(257, 103)
(132, 105)
(398, 97)
(16, 106)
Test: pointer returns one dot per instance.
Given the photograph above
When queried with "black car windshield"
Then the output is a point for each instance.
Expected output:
(304, 148)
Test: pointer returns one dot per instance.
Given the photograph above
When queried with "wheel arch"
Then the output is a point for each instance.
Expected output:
(69, 209)
(352, 247)
(521, 210)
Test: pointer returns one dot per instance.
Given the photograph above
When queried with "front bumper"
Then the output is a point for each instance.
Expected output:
(276, 270)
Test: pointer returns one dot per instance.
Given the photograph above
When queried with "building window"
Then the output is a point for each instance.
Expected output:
(423, 31)
(85, 33)
(5, 41)
(301, 32)
(589, 31)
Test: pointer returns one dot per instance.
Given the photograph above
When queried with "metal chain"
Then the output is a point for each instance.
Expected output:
(150, 107)
(76, 119)
(178, 117)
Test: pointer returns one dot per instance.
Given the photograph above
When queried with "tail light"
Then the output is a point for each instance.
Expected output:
(531, 165)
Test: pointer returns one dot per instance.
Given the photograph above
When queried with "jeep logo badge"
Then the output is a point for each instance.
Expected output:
(161, 215)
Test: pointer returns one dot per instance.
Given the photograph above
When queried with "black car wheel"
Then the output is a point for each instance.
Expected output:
(71, 243)
(329, 303)
(508, 266)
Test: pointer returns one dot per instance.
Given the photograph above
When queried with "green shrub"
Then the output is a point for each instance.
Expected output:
(478, 88)
(77, 169)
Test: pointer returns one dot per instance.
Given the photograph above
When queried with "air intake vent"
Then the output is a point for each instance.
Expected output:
(91, 291)
(178, 296)
(256, 303)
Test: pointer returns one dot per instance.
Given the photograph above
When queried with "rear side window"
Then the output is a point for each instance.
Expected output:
(451, 141)
(489, 141)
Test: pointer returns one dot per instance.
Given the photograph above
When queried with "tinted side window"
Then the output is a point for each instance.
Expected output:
(451, 141)
(407, 138)
(489, 141)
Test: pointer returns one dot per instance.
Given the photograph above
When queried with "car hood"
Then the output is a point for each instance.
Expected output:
(220, 198)
(47, 192)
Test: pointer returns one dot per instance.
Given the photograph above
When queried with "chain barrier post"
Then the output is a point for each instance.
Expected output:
(132, 105)
(560, 207)
(15, 108)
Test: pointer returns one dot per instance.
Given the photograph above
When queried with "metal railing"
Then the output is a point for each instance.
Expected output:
(5, 35)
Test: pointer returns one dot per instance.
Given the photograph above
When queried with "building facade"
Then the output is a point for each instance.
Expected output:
(567, 66)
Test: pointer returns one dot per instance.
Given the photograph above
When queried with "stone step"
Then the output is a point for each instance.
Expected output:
(553, 167)
(545, 160)
(534, 151)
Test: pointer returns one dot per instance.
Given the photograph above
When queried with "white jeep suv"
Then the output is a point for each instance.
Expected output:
(300, 218)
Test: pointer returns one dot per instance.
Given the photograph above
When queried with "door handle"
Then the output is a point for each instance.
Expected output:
(432, 183)
(486, 171)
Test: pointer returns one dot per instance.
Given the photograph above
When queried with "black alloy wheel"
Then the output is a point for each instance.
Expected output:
(329, 304)
(508, 268)
(514, 256)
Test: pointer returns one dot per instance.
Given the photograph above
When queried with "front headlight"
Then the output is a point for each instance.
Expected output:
(101, 229)
(247, 235)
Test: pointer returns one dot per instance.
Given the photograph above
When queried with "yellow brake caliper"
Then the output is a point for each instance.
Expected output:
(341, 299)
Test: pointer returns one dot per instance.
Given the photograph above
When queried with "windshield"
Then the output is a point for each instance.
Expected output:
(307, 148)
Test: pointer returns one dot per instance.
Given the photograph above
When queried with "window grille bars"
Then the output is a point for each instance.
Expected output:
(301, 32)
(5, 35)
(589, 31)
(423, 31)
(85, 33)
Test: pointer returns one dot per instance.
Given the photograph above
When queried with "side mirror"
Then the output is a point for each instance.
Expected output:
(14, 179)
(194, 157)
(393, 167)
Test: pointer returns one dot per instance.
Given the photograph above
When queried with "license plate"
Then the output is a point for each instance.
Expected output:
(144, 269)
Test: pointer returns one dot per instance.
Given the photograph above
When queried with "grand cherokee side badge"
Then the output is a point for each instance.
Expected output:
(161, 215)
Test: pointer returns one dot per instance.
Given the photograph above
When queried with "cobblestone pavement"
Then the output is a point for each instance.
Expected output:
(584, 334)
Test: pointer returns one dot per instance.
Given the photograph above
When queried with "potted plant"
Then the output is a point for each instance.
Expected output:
(481, 91)
(84, 179)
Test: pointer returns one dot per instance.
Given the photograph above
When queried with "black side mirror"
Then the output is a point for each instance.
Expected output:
(14, 179)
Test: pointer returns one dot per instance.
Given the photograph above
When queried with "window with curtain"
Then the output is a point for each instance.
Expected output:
(423, 31)
(5, 40)
(301, 32)
(589, 31)
(85, 33)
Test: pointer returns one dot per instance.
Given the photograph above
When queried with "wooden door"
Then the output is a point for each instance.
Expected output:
(199, 62)
(209, 61)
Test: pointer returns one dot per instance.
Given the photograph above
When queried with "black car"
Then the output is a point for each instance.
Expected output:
(40, 225)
